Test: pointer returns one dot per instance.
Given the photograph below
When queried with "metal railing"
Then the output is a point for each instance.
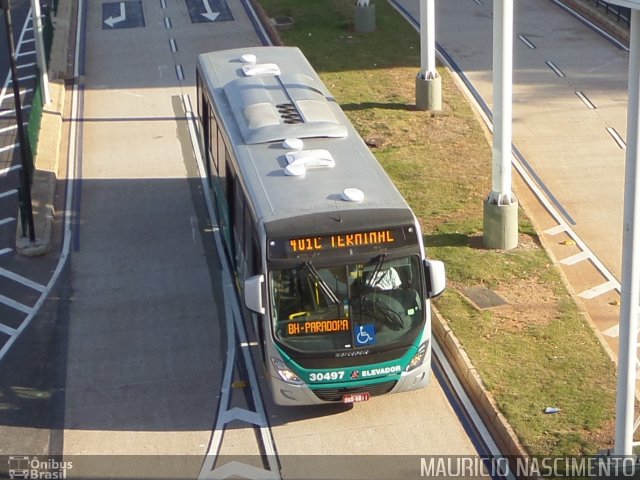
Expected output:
(621, 14)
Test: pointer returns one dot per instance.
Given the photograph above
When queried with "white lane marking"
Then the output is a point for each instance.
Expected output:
(4, 171)
(173, 45)
(598, 290)
(613, 331)
(22, 280)
(617, 137)
(17, 306)
(179, 72)
(9, 147)
(12, 111)
(167, 23)
(7, 220)
(7, 329)
(527, 42)
(573, 259)
(121, 17)
(9, 193)
(235, 469)
(578, 257)
(589, 104)
(22, 92)
(555, 69)
(5, 251)
(9, 128)
(556, 230)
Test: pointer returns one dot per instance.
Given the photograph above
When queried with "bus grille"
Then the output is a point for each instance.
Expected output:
(335, 394)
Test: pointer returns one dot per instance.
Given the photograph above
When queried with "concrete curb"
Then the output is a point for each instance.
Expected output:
(502, 433)
(267, 23)
(46, 160)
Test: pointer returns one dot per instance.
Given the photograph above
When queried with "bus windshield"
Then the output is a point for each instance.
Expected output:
(347, 306)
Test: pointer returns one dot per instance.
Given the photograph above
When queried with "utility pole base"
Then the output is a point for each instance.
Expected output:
(500, 226)
(365, 19)
(428, 93)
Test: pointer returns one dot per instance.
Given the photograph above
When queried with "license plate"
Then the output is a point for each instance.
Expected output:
(355, 397)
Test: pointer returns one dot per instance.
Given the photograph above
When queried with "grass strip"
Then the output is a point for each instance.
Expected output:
(536, 351)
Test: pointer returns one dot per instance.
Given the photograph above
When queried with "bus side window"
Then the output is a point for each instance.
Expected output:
(228, 183)
(238, 223)
(212, 153)
(255, 256)
(248, 243)
(220, 159)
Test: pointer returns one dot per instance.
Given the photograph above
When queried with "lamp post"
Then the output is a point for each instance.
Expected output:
(26, 209)
(630, 287)
(428, 81)
(500, 213)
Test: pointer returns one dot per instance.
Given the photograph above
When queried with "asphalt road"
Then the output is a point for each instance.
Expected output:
(144, 312)
(138, 317)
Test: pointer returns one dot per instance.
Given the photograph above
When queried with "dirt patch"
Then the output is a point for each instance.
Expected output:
(531, 308)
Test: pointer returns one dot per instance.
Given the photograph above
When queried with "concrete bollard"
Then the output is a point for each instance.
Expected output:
(365, 19)
(428, 93)
(500, 226)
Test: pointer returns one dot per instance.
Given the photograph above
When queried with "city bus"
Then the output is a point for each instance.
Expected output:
(327, 254)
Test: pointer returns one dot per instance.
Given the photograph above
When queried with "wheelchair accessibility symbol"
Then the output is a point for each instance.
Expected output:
(366, 335)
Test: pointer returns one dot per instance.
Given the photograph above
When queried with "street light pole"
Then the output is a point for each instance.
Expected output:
(500, 212)
(26, 208)
(630, 293)
(630, 286)
(428, 81)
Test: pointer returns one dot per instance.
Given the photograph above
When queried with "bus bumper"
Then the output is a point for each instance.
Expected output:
(288, 395)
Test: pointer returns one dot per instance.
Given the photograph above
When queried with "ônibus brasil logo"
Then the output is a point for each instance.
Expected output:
(35, 468)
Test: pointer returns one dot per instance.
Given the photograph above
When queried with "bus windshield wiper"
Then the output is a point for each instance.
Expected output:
(375, 275)
(323, 285)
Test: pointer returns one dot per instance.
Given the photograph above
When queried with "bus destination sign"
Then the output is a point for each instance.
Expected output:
(314, 245)
(342, 240)
(310, 327)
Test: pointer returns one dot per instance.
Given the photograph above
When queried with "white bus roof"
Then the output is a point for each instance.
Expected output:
(266, 95)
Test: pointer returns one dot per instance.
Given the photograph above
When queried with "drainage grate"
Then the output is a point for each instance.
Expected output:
(483, 298)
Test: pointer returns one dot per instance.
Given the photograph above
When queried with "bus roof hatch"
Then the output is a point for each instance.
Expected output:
(271, 108)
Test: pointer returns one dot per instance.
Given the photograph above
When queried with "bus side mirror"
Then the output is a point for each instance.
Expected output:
(436, 278)
(253, 294)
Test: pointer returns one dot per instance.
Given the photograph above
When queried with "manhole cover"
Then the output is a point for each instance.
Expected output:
(483, 298)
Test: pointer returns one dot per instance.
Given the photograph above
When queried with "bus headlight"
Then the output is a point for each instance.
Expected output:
(418, 358)
(284, 372)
